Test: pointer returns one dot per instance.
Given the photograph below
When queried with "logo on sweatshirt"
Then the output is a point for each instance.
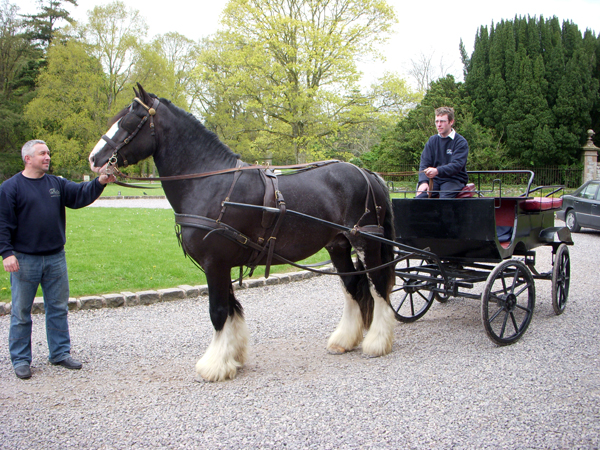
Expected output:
(449, 151)
(54, 192)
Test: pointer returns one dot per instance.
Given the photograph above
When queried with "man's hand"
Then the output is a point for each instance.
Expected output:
(104, 179)
(11, 264)
(423, 187)
(431, 172)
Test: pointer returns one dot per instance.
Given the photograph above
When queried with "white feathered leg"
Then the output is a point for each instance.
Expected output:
(379, 339)
(349, 331)
(226, 353)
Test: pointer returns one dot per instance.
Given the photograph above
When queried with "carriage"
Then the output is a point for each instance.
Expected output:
(482, 236)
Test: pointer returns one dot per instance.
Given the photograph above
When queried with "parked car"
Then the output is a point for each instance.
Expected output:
(582, 207)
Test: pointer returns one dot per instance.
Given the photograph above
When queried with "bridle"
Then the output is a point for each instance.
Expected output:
(150, 113)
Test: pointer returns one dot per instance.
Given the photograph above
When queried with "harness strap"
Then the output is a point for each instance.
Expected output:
(264, 246)
(273, 197)
(210, 225)
(371, 192)
(236, 177)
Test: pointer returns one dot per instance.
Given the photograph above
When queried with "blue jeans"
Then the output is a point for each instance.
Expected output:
(51, 272)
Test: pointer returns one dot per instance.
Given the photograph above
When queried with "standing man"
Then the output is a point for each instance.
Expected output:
(32, 239)
(444, 159)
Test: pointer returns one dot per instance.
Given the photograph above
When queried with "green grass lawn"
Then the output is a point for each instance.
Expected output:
(112, 250)
(113, 190)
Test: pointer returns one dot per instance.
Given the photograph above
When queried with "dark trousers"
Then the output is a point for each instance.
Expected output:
(446, 189)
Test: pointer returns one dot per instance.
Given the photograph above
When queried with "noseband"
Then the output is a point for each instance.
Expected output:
(150, 112)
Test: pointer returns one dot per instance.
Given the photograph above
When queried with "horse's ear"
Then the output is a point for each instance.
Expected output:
(136, 92)
(143, 95)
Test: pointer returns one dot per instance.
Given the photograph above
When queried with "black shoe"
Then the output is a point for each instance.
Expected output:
(69, 363)
(23, 371)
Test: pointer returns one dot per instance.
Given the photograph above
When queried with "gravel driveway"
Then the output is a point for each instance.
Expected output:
(446, 385)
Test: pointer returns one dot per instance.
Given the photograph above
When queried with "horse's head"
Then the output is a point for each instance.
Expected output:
(129, 140)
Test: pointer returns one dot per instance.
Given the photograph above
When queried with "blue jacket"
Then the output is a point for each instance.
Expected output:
(448, 156)
(32, 212)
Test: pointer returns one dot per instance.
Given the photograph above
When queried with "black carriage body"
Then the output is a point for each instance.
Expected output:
(474, 229)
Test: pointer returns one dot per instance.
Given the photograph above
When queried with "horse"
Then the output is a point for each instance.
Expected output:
(204, 180)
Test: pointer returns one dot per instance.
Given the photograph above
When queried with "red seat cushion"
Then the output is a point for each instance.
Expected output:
(541, 204)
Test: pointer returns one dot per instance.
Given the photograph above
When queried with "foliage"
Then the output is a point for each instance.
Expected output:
(279, 82)
(167, 64)
(115, 35)
(535, 83)
(19, 63)
(10, 164)
(404, 143)
(43, 25)
(282, 77)
(69, 112)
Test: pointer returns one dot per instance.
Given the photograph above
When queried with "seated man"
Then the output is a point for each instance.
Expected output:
(444, 159)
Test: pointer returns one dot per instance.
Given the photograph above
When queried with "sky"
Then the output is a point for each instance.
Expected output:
(431, 28)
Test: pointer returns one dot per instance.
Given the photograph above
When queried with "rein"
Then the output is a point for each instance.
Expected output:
(304, 166)
(112, 164)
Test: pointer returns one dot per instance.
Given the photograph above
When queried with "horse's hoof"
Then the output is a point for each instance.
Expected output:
(336, 350)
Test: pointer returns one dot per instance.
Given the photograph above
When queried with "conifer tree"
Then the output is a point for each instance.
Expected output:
(536, 83)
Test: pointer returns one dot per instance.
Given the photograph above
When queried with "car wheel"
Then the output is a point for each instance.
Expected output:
(571, 221)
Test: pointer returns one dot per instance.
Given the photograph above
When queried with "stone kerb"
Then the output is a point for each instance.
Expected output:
(149, 297)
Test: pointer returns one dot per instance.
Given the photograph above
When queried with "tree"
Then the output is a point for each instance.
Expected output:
(70, 109)
(425, 72)
(534, 82)
(403, 144)
(115, 36)
(43, 25)
(167, 66)
(289, 69)
(19, 62)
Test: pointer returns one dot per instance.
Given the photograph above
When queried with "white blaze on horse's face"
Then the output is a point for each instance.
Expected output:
(101, 143)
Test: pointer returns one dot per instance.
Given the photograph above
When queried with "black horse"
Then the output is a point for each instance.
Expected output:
(220, 236)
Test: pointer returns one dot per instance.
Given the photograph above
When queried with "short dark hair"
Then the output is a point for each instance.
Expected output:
(445, 110)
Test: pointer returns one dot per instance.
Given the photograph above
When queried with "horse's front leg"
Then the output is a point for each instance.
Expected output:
(228, 349)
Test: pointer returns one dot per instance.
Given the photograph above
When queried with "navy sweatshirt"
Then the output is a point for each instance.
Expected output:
(32, 212)
(448, 156)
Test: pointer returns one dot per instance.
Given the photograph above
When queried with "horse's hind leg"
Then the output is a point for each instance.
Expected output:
(380, 337)
(228, 350)
(349, 332)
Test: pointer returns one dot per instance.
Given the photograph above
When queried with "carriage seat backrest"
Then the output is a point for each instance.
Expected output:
(467, 191)
(541, 204)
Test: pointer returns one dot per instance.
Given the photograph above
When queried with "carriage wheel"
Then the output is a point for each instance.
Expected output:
(507, 302)
(411, 297)
(561, 277)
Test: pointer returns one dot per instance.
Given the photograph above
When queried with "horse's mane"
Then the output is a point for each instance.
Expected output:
(197, 129)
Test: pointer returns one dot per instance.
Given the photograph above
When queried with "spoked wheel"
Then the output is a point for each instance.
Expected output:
(412, 295)
(561, 277)
(507, 302)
